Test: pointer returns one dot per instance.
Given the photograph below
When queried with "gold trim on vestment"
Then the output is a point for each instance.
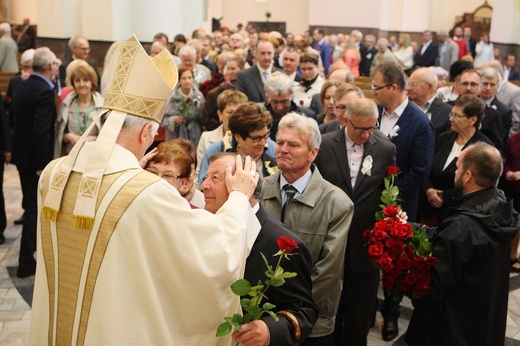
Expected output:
(72, 254)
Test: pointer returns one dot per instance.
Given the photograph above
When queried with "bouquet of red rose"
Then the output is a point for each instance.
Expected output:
(252, 303)
(402, 251)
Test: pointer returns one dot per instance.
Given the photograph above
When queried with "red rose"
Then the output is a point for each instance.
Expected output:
(431, 261)
(419, 262)
(301, 102)
(390, 211)
(403, 286)
(403, 263)
(391, 170)
(394, 273)
(409, 250)
(380, 235)
(385, 262)
(395, 245)
(388, 282)
(423, 280)
(375, 250)
(286, 244)
(402, 230)
(421, 291)
(410, 279)
(366, 235)
(188, 100)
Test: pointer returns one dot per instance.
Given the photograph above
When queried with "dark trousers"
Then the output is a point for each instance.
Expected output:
(390, 308)
(357, 308)
(318, 341)
(3, 219)
(29, 182)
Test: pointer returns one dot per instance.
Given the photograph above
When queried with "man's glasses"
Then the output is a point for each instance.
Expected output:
(376, 89)
(362, 130)
(257, 139)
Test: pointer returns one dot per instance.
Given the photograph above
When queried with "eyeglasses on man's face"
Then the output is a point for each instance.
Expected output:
(376, 89)
(361, 130)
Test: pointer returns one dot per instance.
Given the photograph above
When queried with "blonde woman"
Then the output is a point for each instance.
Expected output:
(404, 53)
(79, 109)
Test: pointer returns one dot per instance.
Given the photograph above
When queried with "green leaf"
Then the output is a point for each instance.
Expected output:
(246, 318)
(287, 275)
(237, 319)
(223, 329)
(395, 191)
(241, 287)
(268, 306)
(255, 312)
(277, 282)
(244, 303)
(266, 263)
(273, 315)
(269, 273)
(387, 183)
(278, 271)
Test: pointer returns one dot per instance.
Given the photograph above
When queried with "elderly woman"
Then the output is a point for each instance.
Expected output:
(384, 54)
(465, 118)
(404, 53)
(311, 82)
(227, 102)
(327, 102)
(184, 112)
(79, 109)
(248, 136)
(351, 56)
(175, 161)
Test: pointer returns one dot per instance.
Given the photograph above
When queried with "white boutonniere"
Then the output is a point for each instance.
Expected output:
(429, 115)
(366, 166)
(196, 102)
(494, 107)
(394, 131)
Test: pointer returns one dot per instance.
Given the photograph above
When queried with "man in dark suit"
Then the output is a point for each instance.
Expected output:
(293, 300)
(323, 47)
(341, 161)
(427, 53)
(511, 72)
(5, 158)
(421, 89)
(80, 49)
(488, 90)
(471, 43)
(33, 144)
(290, 64)
(251, 81)
(491, 125)
(413, 135)
(279, 93)
(367, 51)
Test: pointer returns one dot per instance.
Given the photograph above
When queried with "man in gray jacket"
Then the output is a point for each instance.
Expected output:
(317, 211)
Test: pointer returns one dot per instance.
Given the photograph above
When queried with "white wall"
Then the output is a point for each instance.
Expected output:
(294, 12)
(117, 19)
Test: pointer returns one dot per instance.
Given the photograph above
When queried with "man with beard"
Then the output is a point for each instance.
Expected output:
(467, 304)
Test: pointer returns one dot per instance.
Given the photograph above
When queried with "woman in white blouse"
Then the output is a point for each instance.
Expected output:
(404, 54)
(484, 50)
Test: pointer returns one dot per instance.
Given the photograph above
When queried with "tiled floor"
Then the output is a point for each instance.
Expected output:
(15, 313)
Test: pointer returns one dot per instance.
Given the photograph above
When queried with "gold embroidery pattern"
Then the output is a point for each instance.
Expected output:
(89, 187)
(116, 98)
(59, 180)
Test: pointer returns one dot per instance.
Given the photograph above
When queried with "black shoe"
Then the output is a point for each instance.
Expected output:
(390, 330)
(18, 221)
(24, 272)
(2, 238)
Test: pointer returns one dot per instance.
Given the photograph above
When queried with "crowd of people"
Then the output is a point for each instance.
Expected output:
(265, 134)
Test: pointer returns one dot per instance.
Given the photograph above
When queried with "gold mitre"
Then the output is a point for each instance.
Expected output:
(137, 85)
(140, 85)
